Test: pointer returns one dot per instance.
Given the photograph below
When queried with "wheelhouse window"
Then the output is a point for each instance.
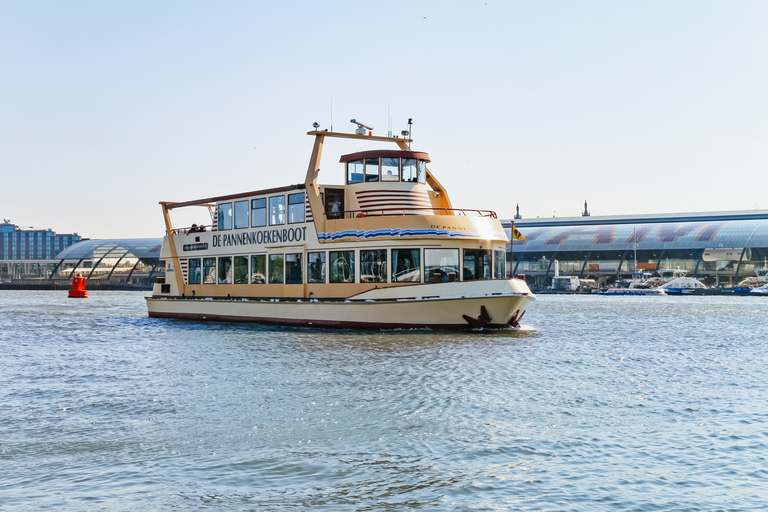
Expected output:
(258, 269)
(258, 213)
(225, 270)
(373, 266)
(499, 264)
(441, 265)
(194, 271)
(225, 216)
(355, 171)
(372, 169)
(241, 214)
(390, 169)
(276, 210)
(477, 264)
(241, 270)
(406, 265)
(295, 208)
(342, 266)
(410, 169)
(316, 267)
(293, 269)
(209, 270)
(276, 268)
(422, 178)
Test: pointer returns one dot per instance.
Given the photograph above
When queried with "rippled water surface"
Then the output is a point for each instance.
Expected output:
(601, 403)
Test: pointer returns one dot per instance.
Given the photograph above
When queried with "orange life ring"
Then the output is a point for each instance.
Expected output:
(361, 214)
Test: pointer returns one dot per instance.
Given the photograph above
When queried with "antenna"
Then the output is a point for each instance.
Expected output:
(331, 113)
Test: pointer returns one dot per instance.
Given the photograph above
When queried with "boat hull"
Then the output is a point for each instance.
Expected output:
(490, 311)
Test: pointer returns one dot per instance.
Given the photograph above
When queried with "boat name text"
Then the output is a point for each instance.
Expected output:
(269, 236)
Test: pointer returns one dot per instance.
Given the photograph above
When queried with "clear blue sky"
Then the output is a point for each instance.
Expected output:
(107, 108)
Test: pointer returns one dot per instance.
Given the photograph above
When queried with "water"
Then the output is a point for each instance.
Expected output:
(603, 403)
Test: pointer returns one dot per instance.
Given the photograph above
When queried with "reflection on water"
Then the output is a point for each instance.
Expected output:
(601, 403)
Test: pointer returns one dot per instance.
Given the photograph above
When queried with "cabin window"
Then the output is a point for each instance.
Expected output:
(477, 264)
(293, 269)
(500, 264)
(225, 216)
(406, 265)
(276, 210)
(410, 170)
(372, 169)
(241, 270)
(258, 269)
(355, 171)
(194, 271)
(342, 265)
(373, 266)
(316, 267)
(241, 214)
(295, 208)
(276, 270)
(258, 213)
(441, 265)
(209, 270)
(390, 169)
(422, 171)
(225, 270)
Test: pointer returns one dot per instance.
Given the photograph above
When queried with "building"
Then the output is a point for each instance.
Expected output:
(716, 247)
(29, 252)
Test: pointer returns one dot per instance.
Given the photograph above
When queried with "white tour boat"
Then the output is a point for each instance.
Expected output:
(634, 286)
(677, 282)
(384, 250)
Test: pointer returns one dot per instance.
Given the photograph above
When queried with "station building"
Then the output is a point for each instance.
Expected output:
(720, 248)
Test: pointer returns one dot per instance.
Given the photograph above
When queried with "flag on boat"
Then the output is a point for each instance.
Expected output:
(515, 234)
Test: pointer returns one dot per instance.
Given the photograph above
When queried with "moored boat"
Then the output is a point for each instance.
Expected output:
(633, 286)
(385, 249)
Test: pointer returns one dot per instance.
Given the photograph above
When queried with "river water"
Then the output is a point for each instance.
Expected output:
(599, 403)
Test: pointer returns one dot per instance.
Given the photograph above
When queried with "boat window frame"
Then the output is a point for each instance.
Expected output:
(395, 176)
(358, 172)
(262, 209)
(280, 266)
(350, 263)
(296, 265)
(281, 215)
(415, 173)
(393, 262)
(222, 270)
(372, 177)
(323, 272)
(222, 208)
(383, 264)
(238, 215)
(209, 271)
(198, 267)
(444, 276)
(499, 264)
(463, 265)
(252, 270)
(296, 208)
(235, 259)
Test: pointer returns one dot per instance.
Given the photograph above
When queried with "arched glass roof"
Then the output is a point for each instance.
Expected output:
(646, 236)
(145, 249)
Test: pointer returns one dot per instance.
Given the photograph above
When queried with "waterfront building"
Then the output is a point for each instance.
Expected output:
(717, 247)
(30, 251)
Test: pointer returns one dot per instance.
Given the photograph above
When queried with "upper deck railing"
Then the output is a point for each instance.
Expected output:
(408, 210)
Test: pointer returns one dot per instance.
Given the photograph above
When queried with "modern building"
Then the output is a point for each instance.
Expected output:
(716, 247)
(30, 251)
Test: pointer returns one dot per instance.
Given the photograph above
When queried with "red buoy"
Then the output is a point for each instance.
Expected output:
(78, 287)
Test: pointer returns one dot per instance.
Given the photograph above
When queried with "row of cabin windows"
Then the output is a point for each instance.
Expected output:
(386, 168)
(256, 212)
(375, 266)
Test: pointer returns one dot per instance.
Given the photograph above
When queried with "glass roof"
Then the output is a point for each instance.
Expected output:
(145, 249)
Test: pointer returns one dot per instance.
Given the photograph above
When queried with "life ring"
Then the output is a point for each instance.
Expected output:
(361, 214)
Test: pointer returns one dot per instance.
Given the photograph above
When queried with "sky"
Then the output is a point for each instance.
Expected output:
(108, 108)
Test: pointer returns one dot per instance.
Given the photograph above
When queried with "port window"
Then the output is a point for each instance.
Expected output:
(373, 266)
(372, 169)
(293, 268)
(316, 267)
(355, 171)
(225, 216)
(295, 208)
(241, 214)
(225, 270)
(194, 272)
(390, 169)
(422, 171)
(241, 270)
(258, 269)
(258, 213)
(500, 264)
(276, 210)
(342, 266)
(209, 270)
(441, 265)
(276, 268)
(406, 265)
(410, 170)
(477, 264)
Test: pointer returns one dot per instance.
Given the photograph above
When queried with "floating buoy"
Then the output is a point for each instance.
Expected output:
(78, 287)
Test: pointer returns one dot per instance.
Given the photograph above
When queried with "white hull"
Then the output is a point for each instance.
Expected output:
(445, 311)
